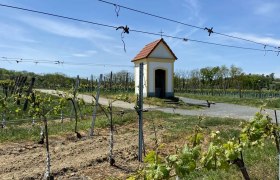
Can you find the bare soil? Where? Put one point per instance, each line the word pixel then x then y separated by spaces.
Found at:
pixel 73 158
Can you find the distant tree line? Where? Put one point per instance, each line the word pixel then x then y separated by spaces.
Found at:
pixel 218 79
pixel 223 78
pixel 49 81
pixel 122 80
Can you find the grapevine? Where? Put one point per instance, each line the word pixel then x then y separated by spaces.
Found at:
pixel 218 154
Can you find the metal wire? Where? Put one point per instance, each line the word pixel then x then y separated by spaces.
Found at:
pixel 186 24
pixel 146 32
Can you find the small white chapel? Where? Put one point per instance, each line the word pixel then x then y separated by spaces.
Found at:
pixel 158 60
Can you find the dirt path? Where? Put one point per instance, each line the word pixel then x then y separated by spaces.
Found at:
pixel 72 158
pixel 216 110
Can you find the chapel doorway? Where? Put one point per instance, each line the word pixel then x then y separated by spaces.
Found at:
pixel 160 78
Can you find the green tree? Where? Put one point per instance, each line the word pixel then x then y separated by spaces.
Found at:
pixel 209 74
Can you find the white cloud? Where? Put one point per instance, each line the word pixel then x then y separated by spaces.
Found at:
pixel 14 32
pixel 110 50
pixel 193 17
pixel 267 8
pixel 181 31
pixel 88 53
pixel 256 38
pixel 193 6
pixel 64 29
pixel 80 55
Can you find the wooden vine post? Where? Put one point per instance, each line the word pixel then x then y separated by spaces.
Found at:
pixel 48 168
pixel 126 82
pixel 91 83
pixel 95 107
pixel 3 120
pixel 140 114
pixel 61 116
pixel 111 79
pixel 111 159
pixel 13 89
pixel 278 146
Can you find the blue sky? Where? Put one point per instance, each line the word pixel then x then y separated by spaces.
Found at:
pixel 34 36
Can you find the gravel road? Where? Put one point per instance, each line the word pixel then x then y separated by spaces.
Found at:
pixel 227 110
pixel 216 110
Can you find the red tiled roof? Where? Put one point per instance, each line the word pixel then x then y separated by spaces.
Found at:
pixel 148 49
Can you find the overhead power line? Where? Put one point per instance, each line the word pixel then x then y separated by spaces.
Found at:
pixel 58 62
pixel 205 42
pixel 55 15
pixel 126 30
pixel 209 30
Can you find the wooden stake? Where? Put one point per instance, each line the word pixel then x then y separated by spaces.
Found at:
pixel 140 114
pixel 48 168
pixel 95 107
pixel 111 77
pixel 111 159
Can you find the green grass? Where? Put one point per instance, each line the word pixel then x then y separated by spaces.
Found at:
pixel 182 126
pixel 261 163
pixel 132 98
pixel 171 122
pixel 271 103
pixel 25 131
